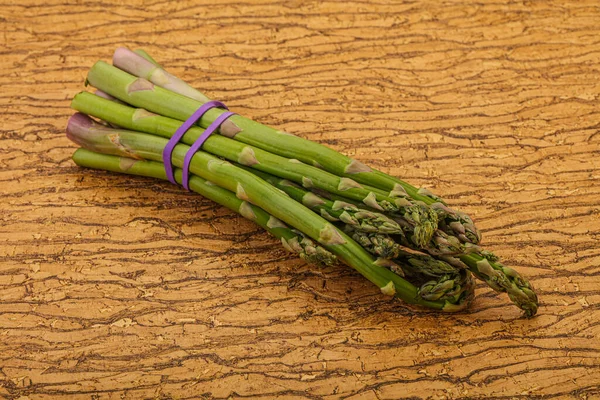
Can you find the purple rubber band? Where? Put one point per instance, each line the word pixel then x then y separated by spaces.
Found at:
pixel 185 173
pixel 168 150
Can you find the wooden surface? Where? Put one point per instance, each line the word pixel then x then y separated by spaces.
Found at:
pixel 118 287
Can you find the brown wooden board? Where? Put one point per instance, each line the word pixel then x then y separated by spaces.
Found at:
pixel 121 287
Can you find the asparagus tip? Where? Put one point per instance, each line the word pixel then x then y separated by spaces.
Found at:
pixel 425 223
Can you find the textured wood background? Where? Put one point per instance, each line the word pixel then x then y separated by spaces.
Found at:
pixel 118 287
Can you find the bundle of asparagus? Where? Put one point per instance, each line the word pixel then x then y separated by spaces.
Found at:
pixel 321 204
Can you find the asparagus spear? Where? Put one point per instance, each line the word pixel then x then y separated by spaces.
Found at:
pixel 503 279
pixel 424 264
pixel 282 143
pixel 441 244
pixel 292 239
pixel 248 187
pixel 361 220
pixel 420 221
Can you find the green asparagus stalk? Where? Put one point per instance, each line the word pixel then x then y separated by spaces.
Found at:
pixel 107 96
pixel 360 219
pixel 248 187
pixel 503 279
pixel 292 239
pixel 420 221
pixel 282 143
pixel 441 244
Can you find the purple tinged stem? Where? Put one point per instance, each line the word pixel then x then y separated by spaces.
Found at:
pixel 137 65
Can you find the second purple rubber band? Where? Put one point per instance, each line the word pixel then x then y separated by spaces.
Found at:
pixel 168 150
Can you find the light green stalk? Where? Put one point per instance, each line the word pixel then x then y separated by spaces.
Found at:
pixel 503 279
pixel 359 219
pixel 419 220
pixel 292 239
pixel 252 189
pixel 312 153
